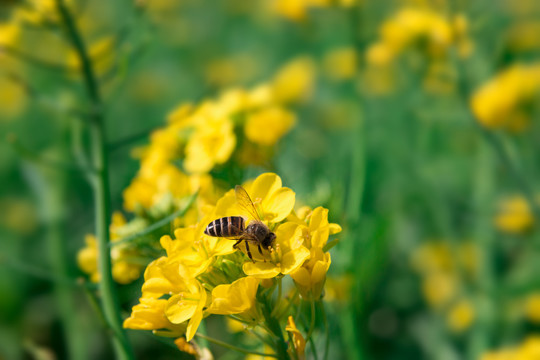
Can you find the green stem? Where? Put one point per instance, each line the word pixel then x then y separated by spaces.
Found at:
pixel 326 331
pixel 107 289
pixel 312 320
pixel 157 224
pixel 232 347
pixel 275 329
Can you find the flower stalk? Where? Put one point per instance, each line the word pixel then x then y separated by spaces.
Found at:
pixel 100 183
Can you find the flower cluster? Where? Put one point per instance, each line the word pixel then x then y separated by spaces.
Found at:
pixel 423 28
pixel 529 349
pixel 442 272
pixel 297 10
pixel 506 101
pixel 202 275
pixel 238 129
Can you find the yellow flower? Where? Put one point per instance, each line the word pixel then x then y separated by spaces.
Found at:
pixel 294 82
pixel 194 249
pixel 298 340
pixel 165 277
pixel 432 257
pixel 268 125
pixel 293 9
pixel 287 255
pixel 439 288
pixel 186 347
pixel 341 63
pixel 9 33
pixel 212 143
pixel 235 298
pixel 87 258
pixel 460 316
pixel 310 278
pixel 532 307
pixel 319 228
pixel 149 314
pixel 514 215
pixel 102 55
pixel 12 97
pixel 124 272
pixel 272 201
pixel 380 54
pixel 500 102
pixel 187 306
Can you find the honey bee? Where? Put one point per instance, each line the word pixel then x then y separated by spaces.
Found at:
pixel 234 227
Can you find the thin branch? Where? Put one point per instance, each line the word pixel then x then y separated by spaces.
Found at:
pixel 157 224
pixel 232 347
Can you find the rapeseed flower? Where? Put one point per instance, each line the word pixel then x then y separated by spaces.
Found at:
pixel 297 338
pixel 461 316
pixel 124 271
pixel 504 101
pixel 268 125
pixel 514 215
pixel 201 275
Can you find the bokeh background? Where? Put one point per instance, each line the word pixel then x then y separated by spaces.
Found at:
pixel 417 125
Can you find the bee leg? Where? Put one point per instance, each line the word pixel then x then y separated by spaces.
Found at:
pixel 249 252
pixel 235 246
pixel 260 251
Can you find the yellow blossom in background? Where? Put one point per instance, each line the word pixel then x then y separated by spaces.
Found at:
pixel 439 288
pixel 123 270
pixel 341 63
pixel 212 143
pixel 501 102
pixel 297 338
pixel 268 125
pixel 9 34
pixel 532 307
pixel 13 98
pixel 529 349
pixel 422 28
pixel 102 54
pixel 514 215
pixel 431 257
pixel 295 81
pixel 87 258
pixel 460 316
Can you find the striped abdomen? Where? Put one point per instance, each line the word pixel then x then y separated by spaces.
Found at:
pixel 226 227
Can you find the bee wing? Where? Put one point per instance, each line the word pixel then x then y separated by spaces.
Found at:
pixel 244 236
pixel 243 200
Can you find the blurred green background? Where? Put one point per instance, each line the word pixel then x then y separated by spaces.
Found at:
pixel 439 258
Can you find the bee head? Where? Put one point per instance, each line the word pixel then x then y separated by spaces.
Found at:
pixel 269 239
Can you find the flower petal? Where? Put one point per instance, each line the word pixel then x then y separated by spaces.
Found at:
pixel 293 260
pixel 261 270
pixel 278 205
pixel 265 185
pixel 179 310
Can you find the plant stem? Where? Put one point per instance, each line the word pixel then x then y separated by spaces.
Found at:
pixel 326 332
pixel 109 300
pixel 157 224
pixel 273 325
pixel 312 321
pixel 232 347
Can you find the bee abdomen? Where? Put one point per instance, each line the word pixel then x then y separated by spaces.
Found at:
pixel 226 227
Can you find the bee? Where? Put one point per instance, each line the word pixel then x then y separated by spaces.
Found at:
pixel 234 227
